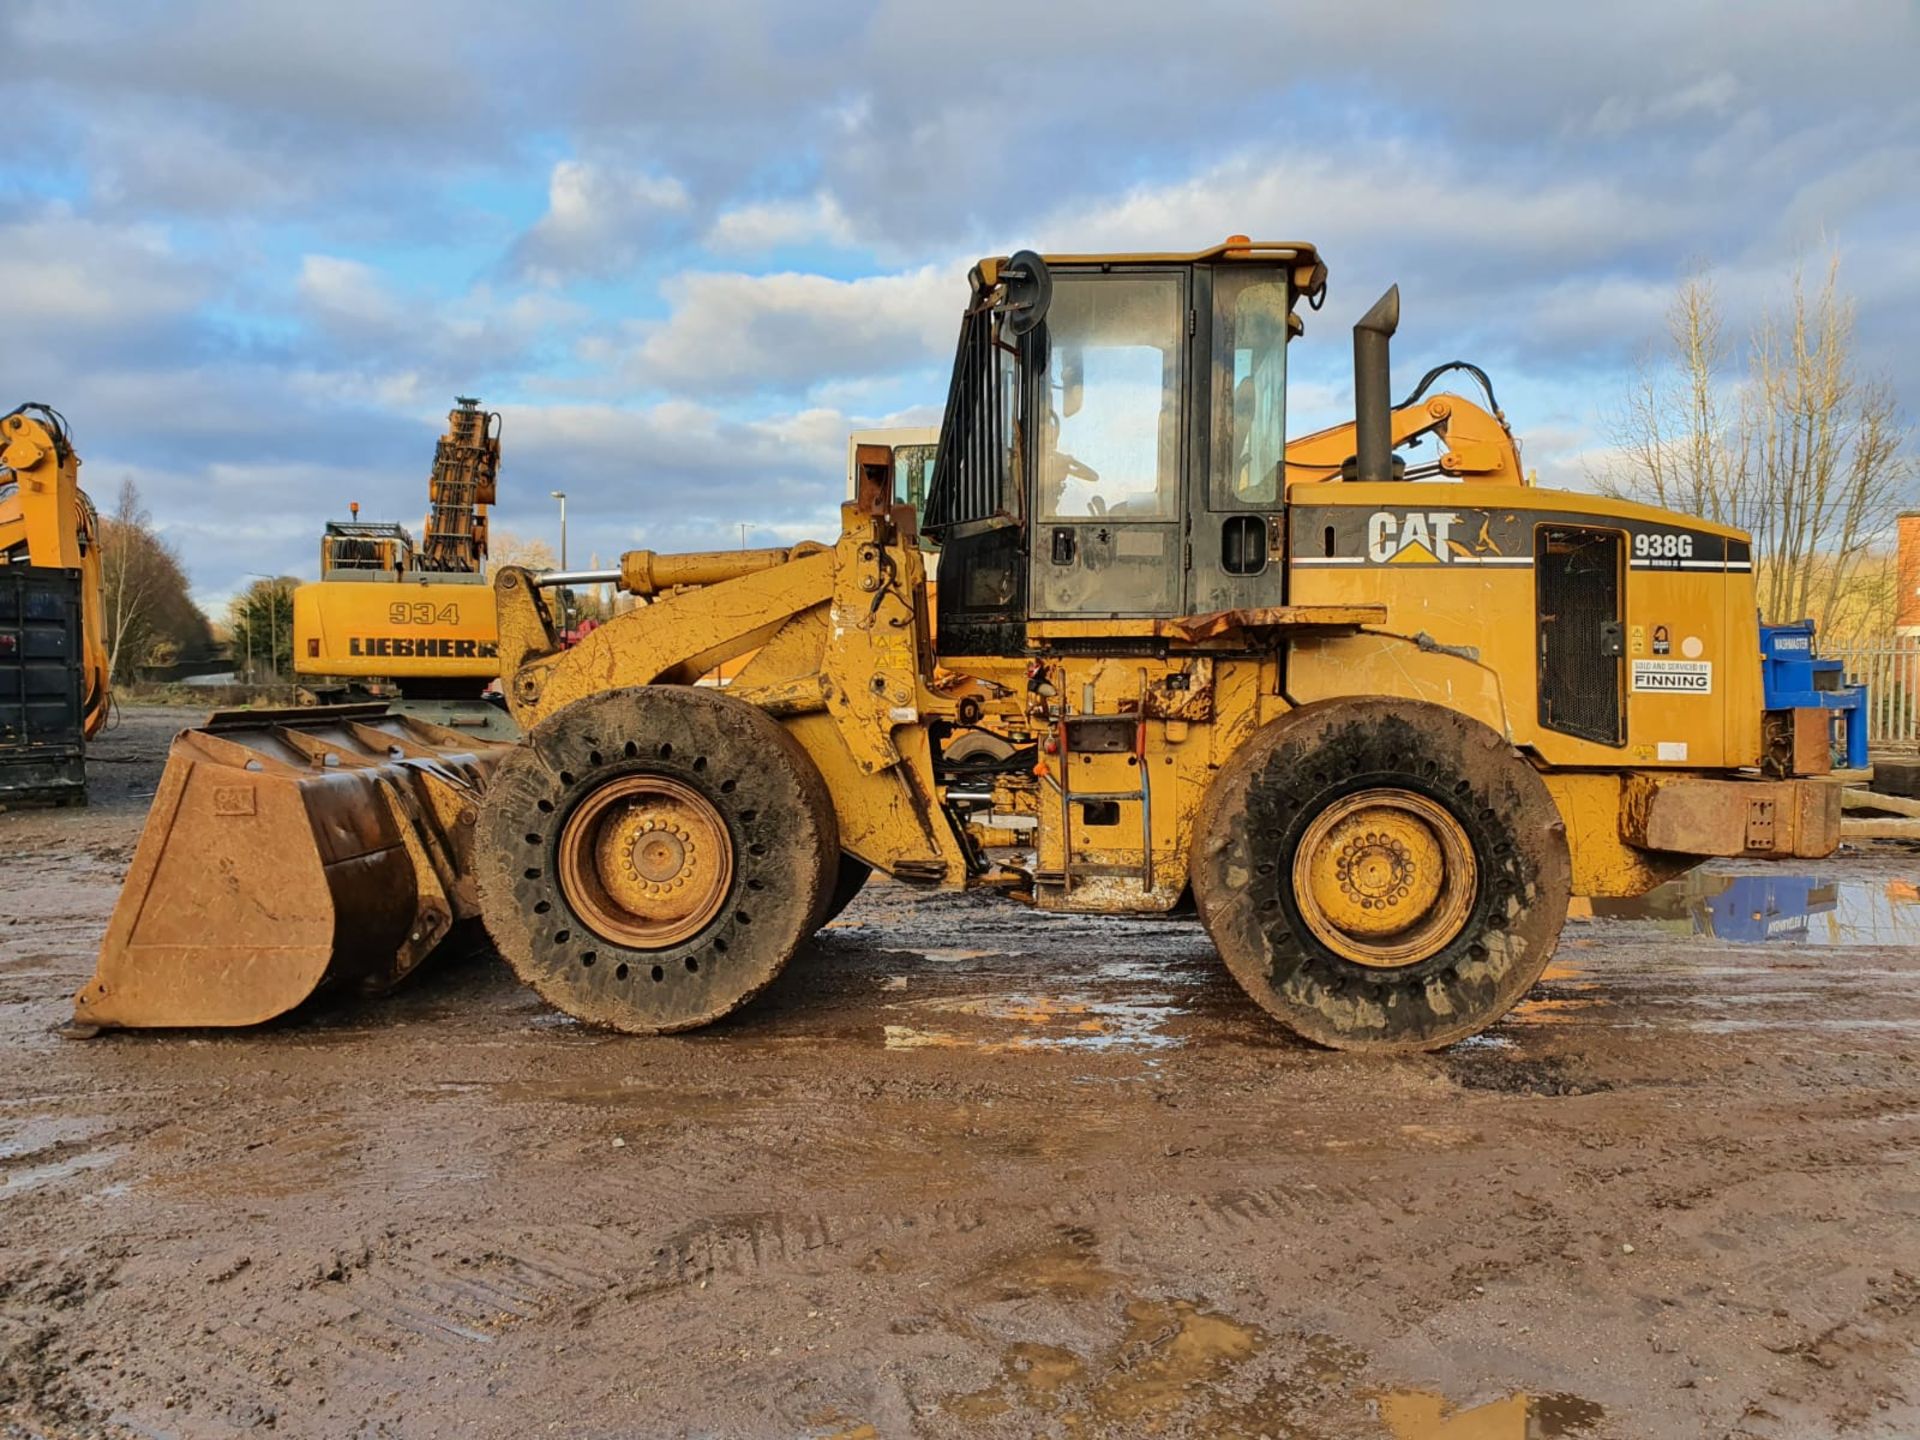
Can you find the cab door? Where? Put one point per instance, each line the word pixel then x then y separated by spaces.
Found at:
pixel 1108 423
pixel 1241 441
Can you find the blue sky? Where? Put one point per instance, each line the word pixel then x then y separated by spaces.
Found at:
pixel 252 249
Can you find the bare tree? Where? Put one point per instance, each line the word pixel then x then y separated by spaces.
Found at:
pixel 126 578
pixel 1802 451
pixel 1827 447
pixel 1674 447
pixel 504 547
pixel 150 617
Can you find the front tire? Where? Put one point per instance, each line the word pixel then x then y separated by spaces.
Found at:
pixel 1382 874
pixel 650 858
pixel 850 880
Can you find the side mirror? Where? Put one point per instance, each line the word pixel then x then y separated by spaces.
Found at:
pixel 1073 381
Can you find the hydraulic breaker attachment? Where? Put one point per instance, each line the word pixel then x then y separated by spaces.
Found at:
pixel 288 850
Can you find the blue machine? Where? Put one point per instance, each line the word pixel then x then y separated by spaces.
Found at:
pixel 1793 677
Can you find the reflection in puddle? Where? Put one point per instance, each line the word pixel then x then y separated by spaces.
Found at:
pixel 32 1177
pixel 1171 1356
pixel 44 1149
pixel 1772 908
pixel 1168 1365
pixel 1080 1020
pixel 1421 1415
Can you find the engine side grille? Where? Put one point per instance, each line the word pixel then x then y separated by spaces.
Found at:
pixel 1578 575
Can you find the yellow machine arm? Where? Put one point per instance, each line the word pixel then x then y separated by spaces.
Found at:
pixel 46 519
pixel 1476 445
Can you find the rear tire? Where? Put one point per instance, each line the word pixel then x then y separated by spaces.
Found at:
pixel 650 858
pixel 1382 874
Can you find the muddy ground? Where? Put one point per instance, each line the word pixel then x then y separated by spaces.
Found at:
pixel 968 1171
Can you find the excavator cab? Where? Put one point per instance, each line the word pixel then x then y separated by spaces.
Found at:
pixel 1115 441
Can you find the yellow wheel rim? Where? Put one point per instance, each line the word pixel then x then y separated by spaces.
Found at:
pixel 1385 878
pixel 646 861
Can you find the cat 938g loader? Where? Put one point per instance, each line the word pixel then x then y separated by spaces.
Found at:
pixel 1377 721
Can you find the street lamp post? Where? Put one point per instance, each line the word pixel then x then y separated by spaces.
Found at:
pixel 566 596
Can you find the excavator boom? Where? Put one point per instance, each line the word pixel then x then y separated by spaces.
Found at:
pixel 54 690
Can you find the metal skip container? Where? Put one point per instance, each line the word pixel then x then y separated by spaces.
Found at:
pixel 286 851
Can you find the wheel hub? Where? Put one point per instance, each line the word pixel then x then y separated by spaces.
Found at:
pixel 646 861
pixel 1385 877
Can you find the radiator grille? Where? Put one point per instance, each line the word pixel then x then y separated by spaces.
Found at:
pixel 1578 573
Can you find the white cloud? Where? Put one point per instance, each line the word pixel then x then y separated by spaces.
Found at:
pixel 377 328
pixel 675 474
pixel 1431 206
pixel 730 331
pixel 1708 95
pixel 348 293
pixel 596 221
pixel 757 228
pixel 64 276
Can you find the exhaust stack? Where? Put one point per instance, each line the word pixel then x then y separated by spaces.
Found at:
pixel 1372 388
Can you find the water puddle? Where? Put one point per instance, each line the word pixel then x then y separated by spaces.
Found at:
pixel 1001 1024
pixel 1168 1364
pixel 1771 908
pixel 31 1177
pixel 44 1149
pixel 1423 1415
pixel 1171 1355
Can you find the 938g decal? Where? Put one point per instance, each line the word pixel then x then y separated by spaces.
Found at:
pixel 1669 545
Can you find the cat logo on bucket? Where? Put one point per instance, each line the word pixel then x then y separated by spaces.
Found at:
pixel 1414 536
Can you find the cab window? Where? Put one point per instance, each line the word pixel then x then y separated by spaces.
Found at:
pixel 1109 440
pixel 913 477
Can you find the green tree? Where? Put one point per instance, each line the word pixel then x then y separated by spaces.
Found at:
pixel 260 630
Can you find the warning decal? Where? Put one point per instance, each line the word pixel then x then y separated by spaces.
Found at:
pixel 1673 677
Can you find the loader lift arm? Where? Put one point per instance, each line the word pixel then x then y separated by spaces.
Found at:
pixel 1475 444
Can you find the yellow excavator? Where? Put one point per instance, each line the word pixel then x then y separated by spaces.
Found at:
pixel 54 685
pixel 417 617
pixel 1377 723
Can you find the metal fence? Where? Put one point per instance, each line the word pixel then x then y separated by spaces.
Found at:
pixel 1891 673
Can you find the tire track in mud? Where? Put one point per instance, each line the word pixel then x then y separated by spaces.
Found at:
pixel 480 1282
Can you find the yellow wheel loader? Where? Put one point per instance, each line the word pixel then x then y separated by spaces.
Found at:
pixel 1378 721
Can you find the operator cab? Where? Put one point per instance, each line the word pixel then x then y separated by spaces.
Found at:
pixel 365 550
pixel 1115 438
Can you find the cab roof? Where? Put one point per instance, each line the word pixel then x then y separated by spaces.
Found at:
pixel 1309 274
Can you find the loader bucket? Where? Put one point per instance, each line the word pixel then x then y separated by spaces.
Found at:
pixel 288 850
